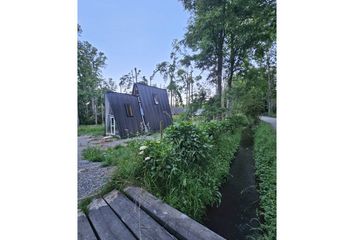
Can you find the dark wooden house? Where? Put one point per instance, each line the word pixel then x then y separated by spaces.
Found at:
pixel 146 109
pixel 155 106
pixel 123 117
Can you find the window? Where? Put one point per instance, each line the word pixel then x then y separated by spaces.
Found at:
pixel 156 99
pixel 129 110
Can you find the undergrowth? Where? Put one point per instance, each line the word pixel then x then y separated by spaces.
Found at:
pixel 265 162
pixel 185 168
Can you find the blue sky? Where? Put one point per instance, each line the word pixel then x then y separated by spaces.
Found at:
pixel 132 33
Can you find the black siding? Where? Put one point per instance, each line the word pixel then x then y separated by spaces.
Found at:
pixel 154 113
pixel 127 126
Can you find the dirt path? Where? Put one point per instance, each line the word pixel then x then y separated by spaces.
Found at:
pixel 272 121
pixel 236 215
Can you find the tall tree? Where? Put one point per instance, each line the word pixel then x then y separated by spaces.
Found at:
pixel 89 75
pixel 206 36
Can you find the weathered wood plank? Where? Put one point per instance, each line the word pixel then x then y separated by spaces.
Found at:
pixel 84 230
pixel 139 222
pixel 106 223
pixel 176 222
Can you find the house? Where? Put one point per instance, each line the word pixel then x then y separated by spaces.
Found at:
pixel 177 110
pixel 146 109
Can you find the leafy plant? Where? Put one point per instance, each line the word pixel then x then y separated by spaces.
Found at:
pixel 265 162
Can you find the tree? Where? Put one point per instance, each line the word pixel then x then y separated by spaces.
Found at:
pixel 126 82
pixel 224 34
pixel 206 35
pixel 89 75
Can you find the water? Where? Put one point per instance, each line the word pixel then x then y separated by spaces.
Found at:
pixel 236 217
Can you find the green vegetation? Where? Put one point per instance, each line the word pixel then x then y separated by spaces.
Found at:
pixel 83 205
pixel 265 161
pixel 185 168
pixel 92 130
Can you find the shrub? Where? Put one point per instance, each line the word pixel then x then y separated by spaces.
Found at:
pixel 189 143
pixel 265 162
pixel 188 166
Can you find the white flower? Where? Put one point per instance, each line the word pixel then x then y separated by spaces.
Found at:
pixel 141 152
pixel 143 148
pixel 147 158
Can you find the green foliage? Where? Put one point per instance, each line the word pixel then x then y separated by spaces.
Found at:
pixel 91 130
pixel 188 166
pixel 265 161
pixel 93 154
pixel 84 203
pixel 253 104
pixel 185 168
pixel 190 144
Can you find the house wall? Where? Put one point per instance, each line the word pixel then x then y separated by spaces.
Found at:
pixel 125 125
pixel 154 113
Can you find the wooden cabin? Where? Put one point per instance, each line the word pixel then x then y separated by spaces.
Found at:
pixel 129 114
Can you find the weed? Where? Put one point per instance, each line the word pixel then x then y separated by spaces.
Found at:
pixel 93 154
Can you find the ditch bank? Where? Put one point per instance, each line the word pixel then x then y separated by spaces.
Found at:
pixel 235 217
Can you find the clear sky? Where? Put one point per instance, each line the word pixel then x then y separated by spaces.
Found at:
pixel 132 33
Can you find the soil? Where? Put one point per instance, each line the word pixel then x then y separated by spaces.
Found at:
pixel 236 216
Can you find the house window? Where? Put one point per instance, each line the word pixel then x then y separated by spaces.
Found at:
pixel 129 110
pixel 156 99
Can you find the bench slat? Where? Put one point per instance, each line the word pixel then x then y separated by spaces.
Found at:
pixel 85 231
pixel 176 222
pixel 139 222
pixel 106 223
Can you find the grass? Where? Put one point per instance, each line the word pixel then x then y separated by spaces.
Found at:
pixel 92 130
pixel 83 205
pixel 265 162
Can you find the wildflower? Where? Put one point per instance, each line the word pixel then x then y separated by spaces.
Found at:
pixel 147 158
pixel 141 152
pixel 143 148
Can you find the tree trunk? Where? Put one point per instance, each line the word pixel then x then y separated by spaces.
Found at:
pixel 231 71
pixel 269 92
pixel 171 97
pixel 219 65
pixel 94 109
pixel 102 113
pixel 191 88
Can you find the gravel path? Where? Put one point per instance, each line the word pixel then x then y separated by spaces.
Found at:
pixel 92 175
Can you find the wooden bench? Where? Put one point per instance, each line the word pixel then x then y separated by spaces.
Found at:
pixel 137 215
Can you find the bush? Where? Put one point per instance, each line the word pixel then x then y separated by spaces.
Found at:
pixel 265 162
pixel 188 166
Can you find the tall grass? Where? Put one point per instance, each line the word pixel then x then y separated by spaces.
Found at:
pixel 265 162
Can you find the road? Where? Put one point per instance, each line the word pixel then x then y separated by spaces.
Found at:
pixel 272 121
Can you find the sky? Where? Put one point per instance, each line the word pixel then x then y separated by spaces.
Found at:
pixel 132 33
